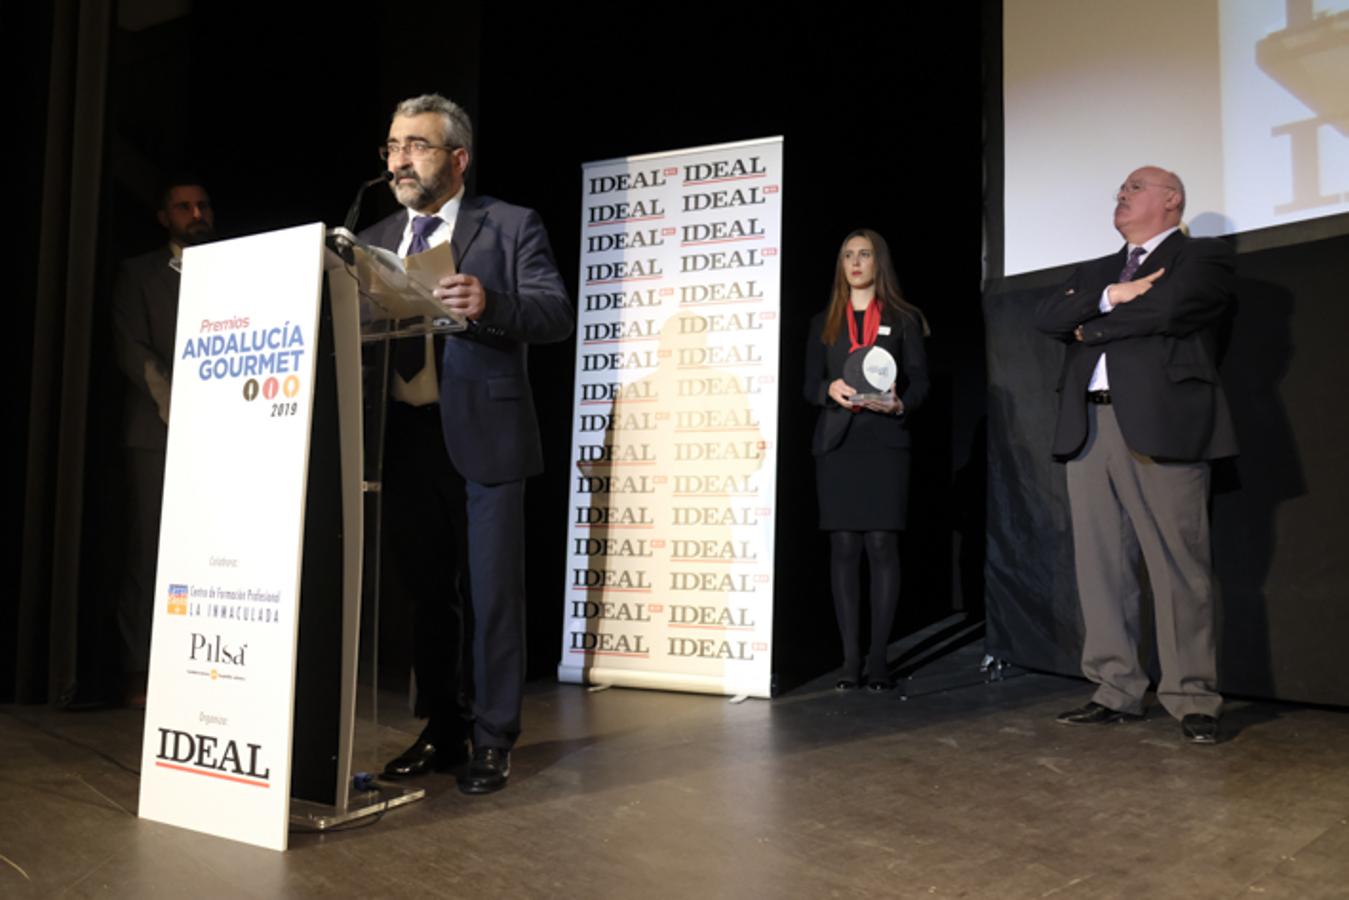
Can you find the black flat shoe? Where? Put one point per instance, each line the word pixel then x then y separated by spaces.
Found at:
pixel 486 772
pixel 880 686
pixel 424 756
pixel 1095 714
pixel 846 684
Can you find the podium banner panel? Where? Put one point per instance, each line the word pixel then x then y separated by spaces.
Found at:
pixel 669 580
pixel 217 747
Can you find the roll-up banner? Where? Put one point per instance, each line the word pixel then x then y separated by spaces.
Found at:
pixel 217 748
pixel 669 580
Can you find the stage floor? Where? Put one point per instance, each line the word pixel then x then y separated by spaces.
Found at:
pixel 968 792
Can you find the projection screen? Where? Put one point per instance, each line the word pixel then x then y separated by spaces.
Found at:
pixel 1247 100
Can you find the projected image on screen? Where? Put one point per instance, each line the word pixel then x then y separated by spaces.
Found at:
pixel 1247 100
pixel 1285 109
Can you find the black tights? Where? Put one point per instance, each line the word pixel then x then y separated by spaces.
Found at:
pixel 845 565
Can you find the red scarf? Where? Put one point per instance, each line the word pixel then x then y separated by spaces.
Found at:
pixel 871 325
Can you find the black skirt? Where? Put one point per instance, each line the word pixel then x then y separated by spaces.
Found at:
pixel 863 488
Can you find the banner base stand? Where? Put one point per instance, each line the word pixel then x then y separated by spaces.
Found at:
pixel 321 817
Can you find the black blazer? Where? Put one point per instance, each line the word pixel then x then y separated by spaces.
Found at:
pixel 486 405
pixel 824 364
pixel 144 318
pixel 1161 351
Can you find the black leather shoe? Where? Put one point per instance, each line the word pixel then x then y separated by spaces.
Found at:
pixel 486 772
pixel 1095 714
pixel 880 685
pixel 1199 728
pixel 846 684
pixel 424 756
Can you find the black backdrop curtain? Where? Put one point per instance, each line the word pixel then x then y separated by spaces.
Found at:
pixel 49 636
pixel 280 112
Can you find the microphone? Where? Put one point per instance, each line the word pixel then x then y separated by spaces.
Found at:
pixel 355 212
pixel 340 239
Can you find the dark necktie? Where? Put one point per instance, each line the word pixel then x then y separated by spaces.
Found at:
pixel 410 355
pixel 422 227
pixel 1130 267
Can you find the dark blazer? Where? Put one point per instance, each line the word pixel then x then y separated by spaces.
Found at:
pixel 824 364
pixel 486 405
pixel 1161 351
pixel 144 316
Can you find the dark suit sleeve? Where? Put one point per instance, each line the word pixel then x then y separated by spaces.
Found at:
pixel 915 367
pixel 538 311
pixel 1075 301
pixel 136 355
pixel 816 387
pixel 1194 293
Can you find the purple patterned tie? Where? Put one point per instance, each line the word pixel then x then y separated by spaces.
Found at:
pixel 422 227
pixel 1130 267
pixel 409 356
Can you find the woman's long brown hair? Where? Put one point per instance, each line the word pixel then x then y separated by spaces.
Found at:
pixel 887 288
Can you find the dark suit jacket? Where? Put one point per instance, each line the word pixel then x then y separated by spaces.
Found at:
pixel 144 316
pixel 824 364
pixel 1161 351
pixel 486 405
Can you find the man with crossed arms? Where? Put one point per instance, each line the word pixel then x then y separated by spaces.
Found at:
pixel 1141 414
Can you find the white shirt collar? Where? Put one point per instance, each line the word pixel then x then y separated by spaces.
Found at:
pixel 447 213
pixel 1151 243
pixel 443 233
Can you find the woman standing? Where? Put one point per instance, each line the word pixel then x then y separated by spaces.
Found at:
pixel 861 445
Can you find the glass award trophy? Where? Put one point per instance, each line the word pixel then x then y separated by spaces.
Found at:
pixel 871 371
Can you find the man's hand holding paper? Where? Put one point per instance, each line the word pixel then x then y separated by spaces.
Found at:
pixel 462 296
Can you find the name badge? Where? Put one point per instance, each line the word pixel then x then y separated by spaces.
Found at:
pixel 884 329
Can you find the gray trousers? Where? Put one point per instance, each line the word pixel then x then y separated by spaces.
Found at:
pixel 1125 504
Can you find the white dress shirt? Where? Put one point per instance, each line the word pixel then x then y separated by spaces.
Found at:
pixel 1100 380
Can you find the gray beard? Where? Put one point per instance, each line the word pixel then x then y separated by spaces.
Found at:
pixel 418 195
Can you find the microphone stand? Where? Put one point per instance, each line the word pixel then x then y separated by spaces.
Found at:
pixel 341 240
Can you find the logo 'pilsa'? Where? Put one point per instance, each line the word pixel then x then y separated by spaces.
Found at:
pixel 215 650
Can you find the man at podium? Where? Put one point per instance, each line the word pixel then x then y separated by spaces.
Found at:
pixel 461 439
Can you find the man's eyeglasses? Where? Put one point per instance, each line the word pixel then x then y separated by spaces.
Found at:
pixel 415 148
pixel 1134 187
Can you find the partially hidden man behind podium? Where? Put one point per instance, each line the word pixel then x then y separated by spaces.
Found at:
pixel 461 439
pixel 145 316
